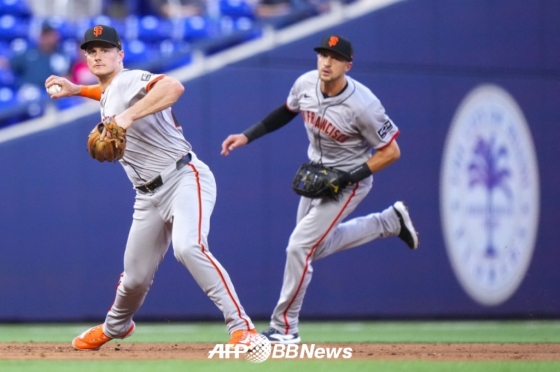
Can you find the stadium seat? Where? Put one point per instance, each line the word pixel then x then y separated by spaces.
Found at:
pixel 137 52
pixel 84 24
pixel 12 27
pixel 66 29
pixel 7 78
pixel 173 54
pixel 150 42
pixel 152 29
pixel 7 96
pixel 18 45
pixel 229 25
pixel 196 28
pixel 236 9
pixel 16 8
pixel 5 49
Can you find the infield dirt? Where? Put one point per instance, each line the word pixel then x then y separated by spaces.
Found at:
pixel 361 351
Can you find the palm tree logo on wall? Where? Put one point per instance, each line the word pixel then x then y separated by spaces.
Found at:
pixel 489 195
pixel 485 171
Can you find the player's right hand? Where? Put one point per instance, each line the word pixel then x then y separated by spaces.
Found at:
pixel 232 142
pixel 68 88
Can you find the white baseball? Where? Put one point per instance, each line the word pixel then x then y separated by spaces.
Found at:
pixel 54 89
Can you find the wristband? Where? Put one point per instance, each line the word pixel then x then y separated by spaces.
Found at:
pixel 359 173
pixel 91 91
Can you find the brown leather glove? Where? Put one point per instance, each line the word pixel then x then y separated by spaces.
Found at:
pixel 113 145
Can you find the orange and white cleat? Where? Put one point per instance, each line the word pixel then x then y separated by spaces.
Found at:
pixel 94 338
pixel 243 337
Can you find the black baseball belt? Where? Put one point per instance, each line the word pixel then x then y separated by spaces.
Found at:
pixel 157 182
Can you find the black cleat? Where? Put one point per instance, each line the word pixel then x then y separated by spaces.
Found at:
pixel 408 233
pixel 277 337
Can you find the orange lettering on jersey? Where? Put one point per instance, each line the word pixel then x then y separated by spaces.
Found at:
pixel 333 41
pixel 97 30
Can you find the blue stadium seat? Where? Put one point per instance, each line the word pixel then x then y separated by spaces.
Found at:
pixel 7 102
pixel 12 27
pixel 68 102
pixel 229 25
pixel 7 78
pixel 66 28
pixel 70 48
pixel 167 48
pixel 236 9
pixel 18 45
pixel 17 8
pixel 136 52
pixel 173 54
pixel 5 50
pixel 196 28
pixel 34 99
pixel 82 25
pixel 152 29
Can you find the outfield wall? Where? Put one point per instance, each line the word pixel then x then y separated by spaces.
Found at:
pixel 64 218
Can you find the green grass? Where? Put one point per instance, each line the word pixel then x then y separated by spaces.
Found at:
pixel 312 332
pixel 276 366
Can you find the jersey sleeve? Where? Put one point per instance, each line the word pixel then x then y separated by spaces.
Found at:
pixel 137 82
pixel 376 127
pixel 292 102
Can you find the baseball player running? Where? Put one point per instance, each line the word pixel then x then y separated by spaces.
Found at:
pixel 345 122
pixel 175 191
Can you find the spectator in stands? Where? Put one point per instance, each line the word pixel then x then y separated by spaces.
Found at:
pixel 179 8
pixel 36 64
pixel 68 9
pixel 5 71
pixel 273 8
pixel 80 73
pixel 278 8
pixel 117 9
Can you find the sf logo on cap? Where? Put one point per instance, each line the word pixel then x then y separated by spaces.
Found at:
pixel 97 30
pixel 333 41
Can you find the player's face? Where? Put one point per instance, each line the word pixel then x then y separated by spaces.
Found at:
pixel 331 66
pixel 103 59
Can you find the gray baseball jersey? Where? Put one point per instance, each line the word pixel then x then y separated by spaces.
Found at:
pixel 343 131
pixel 177 211
pixel 153 141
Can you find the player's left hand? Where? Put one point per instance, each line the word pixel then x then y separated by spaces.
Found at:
pixel 107 141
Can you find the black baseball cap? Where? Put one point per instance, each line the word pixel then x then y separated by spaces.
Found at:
pixel 102 33
pixel 337 44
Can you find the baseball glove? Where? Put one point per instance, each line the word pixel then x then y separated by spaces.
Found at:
pixel 318 181
pixel 113 145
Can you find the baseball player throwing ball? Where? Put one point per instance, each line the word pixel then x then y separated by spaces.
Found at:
pixel 345 124
pixel 175 191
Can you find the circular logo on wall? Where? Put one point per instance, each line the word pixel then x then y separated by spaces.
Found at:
pixel 489 195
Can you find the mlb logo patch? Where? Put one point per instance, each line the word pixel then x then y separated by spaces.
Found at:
pixel 146 77
pixel 386 128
